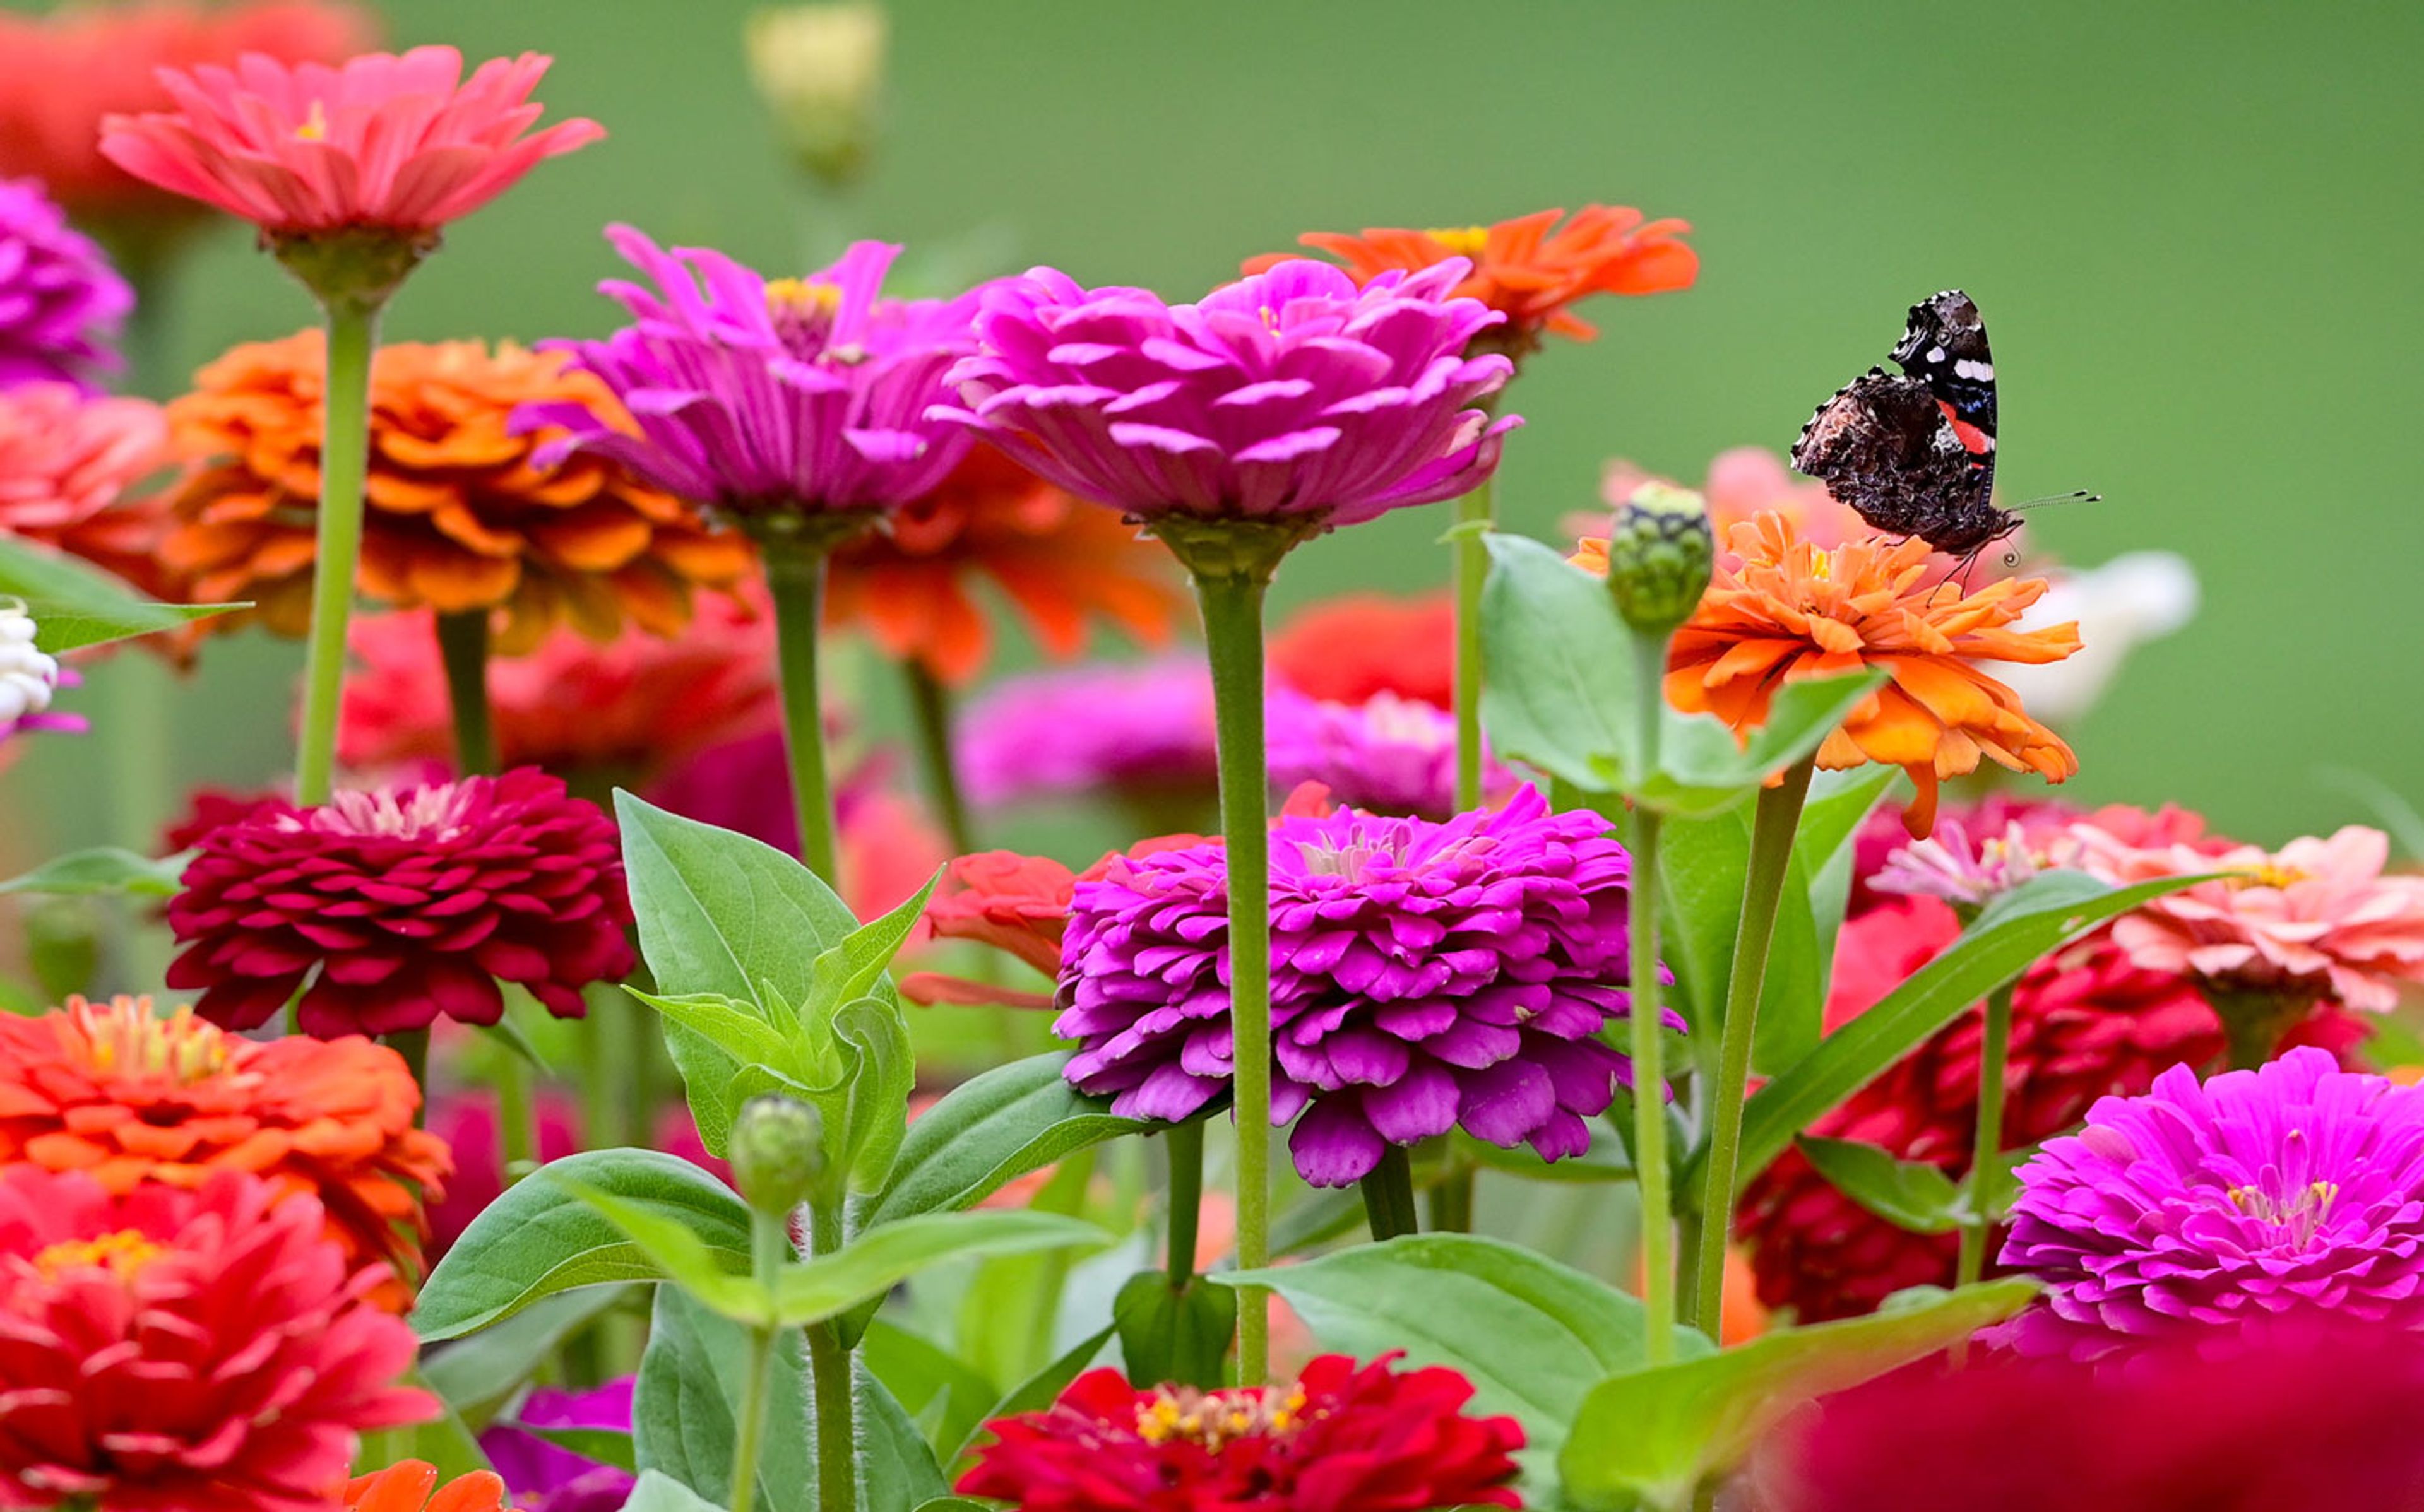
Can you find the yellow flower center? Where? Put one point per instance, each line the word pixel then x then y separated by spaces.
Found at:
pixel 2302 1212
pixel 316 125
pixel 123 1254
pixel 1213 1419
pixel 1463 241
pixel 123 1037
pixel 2271 875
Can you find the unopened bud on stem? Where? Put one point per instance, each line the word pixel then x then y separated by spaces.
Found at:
pixel 778 1152
pixel 1659 554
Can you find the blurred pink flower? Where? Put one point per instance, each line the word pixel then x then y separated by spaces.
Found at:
pixel 2318 918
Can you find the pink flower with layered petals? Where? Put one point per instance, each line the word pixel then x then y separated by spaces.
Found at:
pixel 403 143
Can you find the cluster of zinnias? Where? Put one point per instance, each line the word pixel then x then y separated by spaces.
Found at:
pixel 1424 977
pixel 61 301
pixel 176 1348
pixel 391 910
pixel 462 514
pixel 130 1097
pixel 1339 1436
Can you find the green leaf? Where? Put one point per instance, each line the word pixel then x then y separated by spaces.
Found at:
pixel 875 1107
pixel 928 1379
pixel 880 1259
pixel 1702 863
pixel 478 1375
pixel 1838 804
pixel 1037 1392
pixel 678 1255
pixel 851 968
pixel 657 1491
pixel 988 1132
pixel 539 1239
pixel 604 1445
pixel 75 606
pixel 1532 1335
pixel 732 1024
pixel 1168 1335
pixel 1655 1436
pixel 445 1441
pixel 1704 770
pixel 2044 914
pixel 1560 692
pixel 686 1403
pixel 105 869
pixel 1909 1194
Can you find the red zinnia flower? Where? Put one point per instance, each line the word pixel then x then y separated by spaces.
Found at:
pixel 1340 1440
pixel 407 1486
pixel 399 907
pixel 1354 649
pixel 185 1351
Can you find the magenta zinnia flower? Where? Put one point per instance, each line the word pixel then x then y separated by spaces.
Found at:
pixel 1141 729
pixel 1424 976
pixel 393 909
pixel 61 301
pixel 1387 754
pixel 2292 1191
pixel 801 395
pixel 545 1477
pixel 1291 395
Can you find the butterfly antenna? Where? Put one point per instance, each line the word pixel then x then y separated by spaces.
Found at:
pixel 2077 496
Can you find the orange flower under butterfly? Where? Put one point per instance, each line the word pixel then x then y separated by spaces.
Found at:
pixel 1530 269
pixel 1790 611
pixel 457 518
pixel 1061 561
pixel 129 1096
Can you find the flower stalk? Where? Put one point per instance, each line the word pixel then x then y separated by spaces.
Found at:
pixel 1389 1195
pixel 1774 824
pixel 768 1244
pixel 1471 559
pixel 1647 1046
pixel 345 463
pixel 795 579
pixel 463 649
pixel 829 1373
pixel 929 705
pixel 1184 1144
pixel 1994 1062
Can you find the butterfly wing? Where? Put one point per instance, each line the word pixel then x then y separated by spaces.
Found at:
pixel 1886 446
pixel 1944 345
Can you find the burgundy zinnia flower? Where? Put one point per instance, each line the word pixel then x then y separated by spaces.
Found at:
pixel 1424 976
pixel 1339 1440
pixel 176 1350
pixel 402 906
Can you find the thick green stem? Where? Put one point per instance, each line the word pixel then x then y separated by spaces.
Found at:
pixel 463 648
pixel 795 579
pixel 517 1114
pixel 413 1044
pixel 1389 1195
pixel 1774 824
pixel 1451 1200
pixel 1472 569
pixel 770 1245
pixel 1648 1047
pixel 829 1376
pixel 1184 1144
pixel 1994 1055
pixel 1232 629
pixel 344 460
pixel 929 702
pixel 2254 1022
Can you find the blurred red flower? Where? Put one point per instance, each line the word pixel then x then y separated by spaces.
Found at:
pixel 1352 648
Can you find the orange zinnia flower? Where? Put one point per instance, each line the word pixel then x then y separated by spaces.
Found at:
pixel 407 1486
pixel 1058 561
pixel 1530 268
pixel 127 1096
pixel 1790 611
pixel 457 518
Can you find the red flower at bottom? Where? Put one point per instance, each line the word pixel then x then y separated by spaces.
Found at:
pixel 1340 1440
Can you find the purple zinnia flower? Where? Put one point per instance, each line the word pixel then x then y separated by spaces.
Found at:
pixel 800 395
pixel 1388 754
pixel 1424 976
pixel 2292 1191
pixel 1288 395
pixel 1140 728
pixel 545 1477
pixel 61 301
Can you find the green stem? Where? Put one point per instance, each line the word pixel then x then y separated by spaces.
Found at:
pixel 795 579
pixel 1185 1146
pixel 929 702
pixel 345 461
pixel 2254 1022
pixel 517 1114
pixel 1232 629
pixel 463 648
pixel 1649 1044
pixel 830 1377
pixel 1774 824
pixel 1994 1055
pixel 1472 569
pixel 413 1044
pixel 1389 1195
pixel 1451 1200
pixel 770 1245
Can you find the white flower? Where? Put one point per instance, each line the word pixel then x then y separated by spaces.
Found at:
pixel 2133 599
pixel 27 676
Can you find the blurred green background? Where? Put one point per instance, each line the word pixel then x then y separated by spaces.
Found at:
pixel 2192 228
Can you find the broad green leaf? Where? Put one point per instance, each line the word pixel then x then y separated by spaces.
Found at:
pixel 478 1375
pixel 880 1259
pixel 73 606
pixel 657 1491
pixel 1532 1335
pixel 604 1445
pixel 733 1025
pixel 933 1384
pixel 1909 1194
pixel 445 1441
pixel 686 1404
pixel 988 1132
pixel 1560 691
pixel 539 1239
pixel 2042 915
pixel 1703 768
pixel 1655 1436
pixel 1702 863
pixel 875 1110
pixel 1009 1310
pixel 104 869
pixel 1038 1390
pixel 1168 1335
pixel 678 1255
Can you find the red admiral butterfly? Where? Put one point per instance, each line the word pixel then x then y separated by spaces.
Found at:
pixel 1915 453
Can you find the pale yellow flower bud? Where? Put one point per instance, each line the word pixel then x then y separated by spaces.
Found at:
pixel 820 68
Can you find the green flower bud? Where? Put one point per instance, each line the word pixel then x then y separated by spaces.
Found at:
pixel 778 1152
pixel 820 68
pixel 1660 554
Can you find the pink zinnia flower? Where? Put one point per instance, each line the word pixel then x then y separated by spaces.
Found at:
pixel 402 144
pixel 1290 396
pixel 1137 729
pixel 176 1350
pixel 1971 873
pixel 65 458
pixel 2317 918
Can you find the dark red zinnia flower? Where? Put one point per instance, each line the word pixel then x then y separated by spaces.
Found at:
pixel 176 1350
pixel 402 906
pixel 1341 1439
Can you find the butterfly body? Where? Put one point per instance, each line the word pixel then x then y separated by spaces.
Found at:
pixel 1914 452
